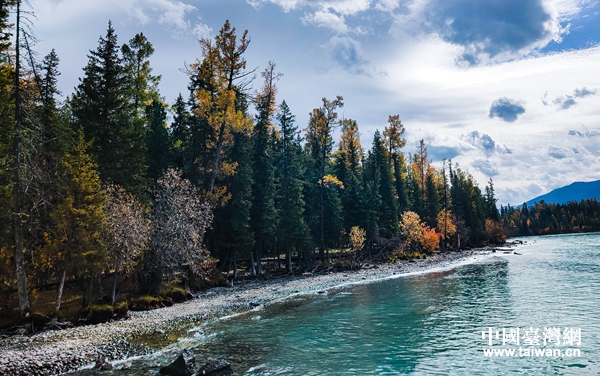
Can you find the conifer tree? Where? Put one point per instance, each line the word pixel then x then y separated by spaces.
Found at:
pixel 381 175
pixel 348 159
pixel 432 205
pixel 319 143
pixel 392 135
pixel 101 107
pixel 239 239
pixel 222 75
pixel 263 188
pixel 180 135
pixel 292 229
pixel 158 143
pixel 77 243
pixel 142 86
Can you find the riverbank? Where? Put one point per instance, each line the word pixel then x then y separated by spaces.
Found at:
pixel 60 351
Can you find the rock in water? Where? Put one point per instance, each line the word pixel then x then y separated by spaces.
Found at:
pixel 184 365
pixel 216 367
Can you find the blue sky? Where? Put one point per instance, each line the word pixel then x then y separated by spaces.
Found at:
pixel 509 89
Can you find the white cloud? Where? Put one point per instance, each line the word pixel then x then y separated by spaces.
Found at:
pixel 325 18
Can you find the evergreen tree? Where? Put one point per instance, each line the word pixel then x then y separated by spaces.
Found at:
pixel 392 135
pixel 180 135
pixel 101 107
pixel 292 229
pixel 142 86
pixel 490 201
pixel 263 188
pixel 239 237
pixel 158 142
pixel 381 175
pixel 348 170
pixel 319 143
pixel 432 205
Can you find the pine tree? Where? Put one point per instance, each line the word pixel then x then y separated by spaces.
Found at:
pixel 392 135
pixel 181 135
pixel 239 239
pixel 381 175
pixel 348 170
pixel 490 201
pixel 292 229
pixel 142 86
pixel 432 205
pixel 158 143
pixel 77 243
pixel 263 188
pixel 101 107
pixel 319 143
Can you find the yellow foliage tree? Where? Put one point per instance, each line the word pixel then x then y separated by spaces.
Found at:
pixel 412 228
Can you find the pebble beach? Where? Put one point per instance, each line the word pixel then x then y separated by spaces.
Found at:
pixel 59 351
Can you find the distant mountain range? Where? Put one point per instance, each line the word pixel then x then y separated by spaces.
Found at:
pixel 574 192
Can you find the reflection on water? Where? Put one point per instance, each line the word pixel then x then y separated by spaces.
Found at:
pixel 426 324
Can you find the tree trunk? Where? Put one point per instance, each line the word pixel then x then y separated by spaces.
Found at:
pixel 113 293
pixel 235 275
pixel 288 259
pixel 259 259
pixel 252 268
pixel 61 285
pixel 21 274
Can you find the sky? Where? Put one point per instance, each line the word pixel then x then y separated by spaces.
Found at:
pixel 507 89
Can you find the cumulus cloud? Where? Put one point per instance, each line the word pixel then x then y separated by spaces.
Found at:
pixel 557 151
pixel 583 92
pixel 496 30
pixel 506 109
pixel 486 167
pixel 325 18
pixel 485 143
pixel 567 101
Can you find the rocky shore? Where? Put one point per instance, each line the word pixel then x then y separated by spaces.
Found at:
pixel 60 351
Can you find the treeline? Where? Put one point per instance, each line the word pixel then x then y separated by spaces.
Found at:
pixel 546 218
pixel 103 183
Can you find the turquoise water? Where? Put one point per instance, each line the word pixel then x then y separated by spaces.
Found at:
pixel 423 324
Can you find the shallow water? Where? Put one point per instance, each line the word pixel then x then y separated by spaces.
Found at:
pixel 422 324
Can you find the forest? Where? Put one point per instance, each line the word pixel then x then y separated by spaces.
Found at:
pixel 110 182
pixel 548 218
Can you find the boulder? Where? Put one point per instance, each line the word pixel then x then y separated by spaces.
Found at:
pixel 184 365
pixel 216 367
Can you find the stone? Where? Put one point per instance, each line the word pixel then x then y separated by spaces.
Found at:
pixel 184 365
pixel 216 367
pixel 106 367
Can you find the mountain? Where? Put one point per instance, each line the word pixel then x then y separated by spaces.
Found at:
pixel 574 192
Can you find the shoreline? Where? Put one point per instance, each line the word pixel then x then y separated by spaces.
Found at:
pixel 59 351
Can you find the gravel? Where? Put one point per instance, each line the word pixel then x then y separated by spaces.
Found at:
pixel 59 351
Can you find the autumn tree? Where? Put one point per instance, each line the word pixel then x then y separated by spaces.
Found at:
pixel 446 224
pixel 127 231
pixel 77 241
pixel 179 219
pixel 223 77
pixel 411 228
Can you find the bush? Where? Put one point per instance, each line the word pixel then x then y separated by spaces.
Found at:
pixel 145 303
pixel 98 313
pixel 120 309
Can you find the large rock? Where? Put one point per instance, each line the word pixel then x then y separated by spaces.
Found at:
pixel 216 367
pixel 184 365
